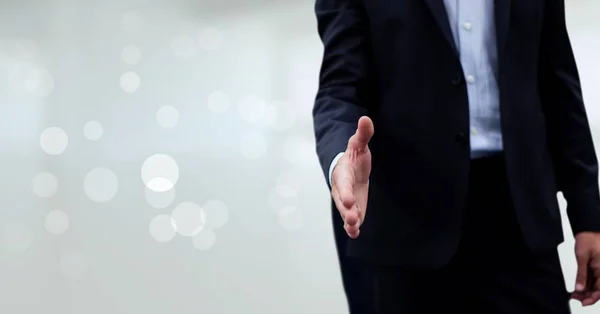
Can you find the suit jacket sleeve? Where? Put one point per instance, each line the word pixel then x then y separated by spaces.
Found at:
pixel 343 88
pixel 569 134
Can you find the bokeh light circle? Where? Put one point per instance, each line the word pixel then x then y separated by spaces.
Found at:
pixel 160 172
pixel 16 237
pixel 204 240
pixel 218 102
pixel 167 117
pixel 280 115
pixel 159 199
pixel 252 108
pixel 131 54
pixel 291 220
pixel 93 130
pixel 54 141
pixel 283 198
pixel 130 81
pixel 189 219
pixel 162 228
pixel 31 79
pixel 101 185
pixel 44 185
pixel 133 22
pixel 298 150
pixel 57 222
pixel 184 47
pixel 210 38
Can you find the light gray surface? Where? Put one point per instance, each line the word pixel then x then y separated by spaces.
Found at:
pixel 84 238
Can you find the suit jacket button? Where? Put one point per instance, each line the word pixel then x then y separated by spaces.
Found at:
pixel 461 138
pixel 457 81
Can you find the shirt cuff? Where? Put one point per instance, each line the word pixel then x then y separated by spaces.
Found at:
pixel 333 163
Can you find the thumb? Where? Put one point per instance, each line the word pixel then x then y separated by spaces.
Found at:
pixel 364 132
pixel 583 260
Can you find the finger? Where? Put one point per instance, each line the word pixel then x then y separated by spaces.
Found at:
pixel 591 298
pixel 349 216
pixel 579 296
pixel 343 183
pixel 364 132
pixel 346 199
pixel 352 231
pixel 352 218
pixel 338 203
pixel 346 214
pixel 594 275
pixel 593 284
pixel 361 215
pixel 583 259
pixel 346 192
pixel 352 222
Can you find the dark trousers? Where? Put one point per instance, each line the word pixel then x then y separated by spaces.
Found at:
pixel 492 272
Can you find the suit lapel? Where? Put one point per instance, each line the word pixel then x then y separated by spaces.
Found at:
pixel 502 16
pixel 441 17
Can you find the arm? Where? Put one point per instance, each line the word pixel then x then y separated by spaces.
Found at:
pixel 569 132
pixel 343 88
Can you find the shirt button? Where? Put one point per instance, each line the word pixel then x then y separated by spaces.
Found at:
pixel 474 131
pixel 470 79
pixel 467 26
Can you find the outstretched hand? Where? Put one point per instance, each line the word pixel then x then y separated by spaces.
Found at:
pixel 350 178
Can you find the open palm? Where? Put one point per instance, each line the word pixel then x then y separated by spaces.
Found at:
pixel 350 178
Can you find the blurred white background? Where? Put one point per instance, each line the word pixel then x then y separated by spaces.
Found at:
pixel 158 157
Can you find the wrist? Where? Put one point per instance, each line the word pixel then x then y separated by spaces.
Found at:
pixel 332 166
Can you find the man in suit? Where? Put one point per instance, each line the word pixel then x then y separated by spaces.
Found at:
pixel 445 129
